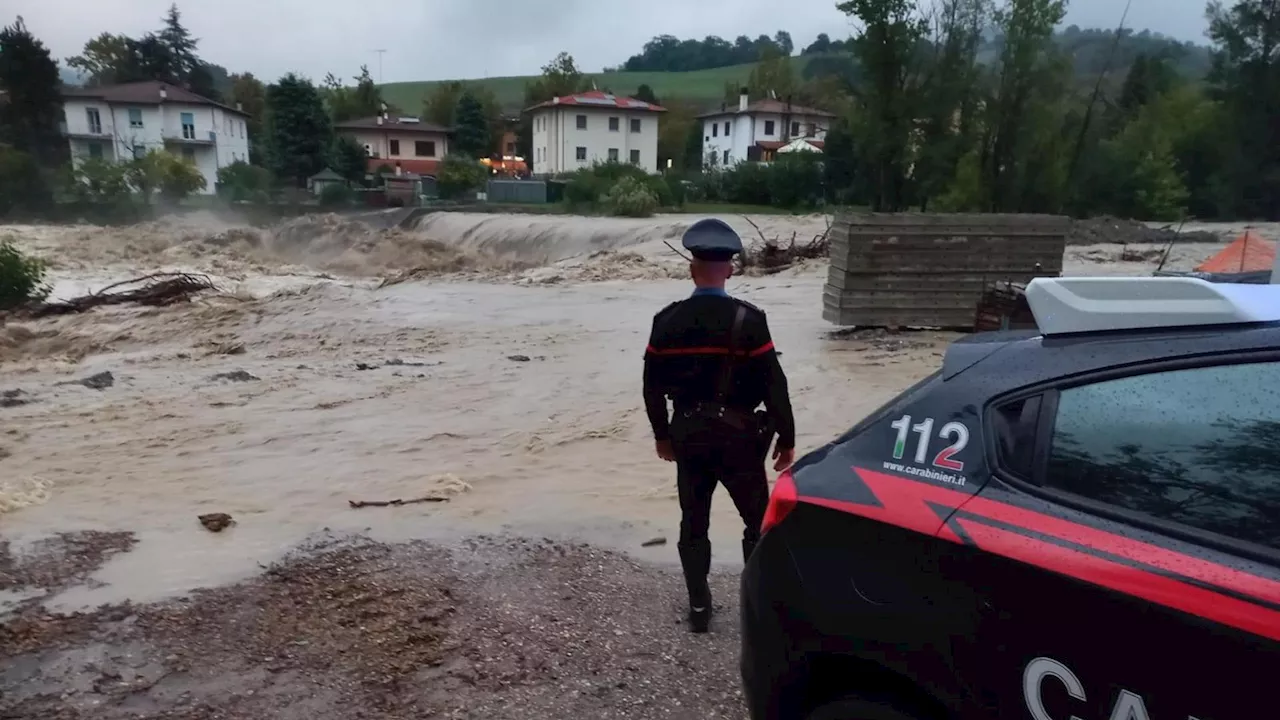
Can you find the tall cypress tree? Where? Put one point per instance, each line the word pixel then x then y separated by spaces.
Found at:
pixel 182 47
pixel 471 131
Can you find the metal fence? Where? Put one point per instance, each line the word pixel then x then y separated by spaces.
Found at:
pixel 517 191
pixel 918 270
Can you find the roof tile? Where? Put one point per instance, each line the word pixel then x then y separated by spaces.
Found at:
pixel 599 99
pixel 145 93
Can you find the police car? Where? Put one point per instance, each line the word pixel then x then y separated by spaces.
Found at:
pixel 1076 523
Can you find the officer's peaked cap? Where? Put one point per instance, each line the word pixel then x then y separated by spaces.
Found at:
pixel 712 239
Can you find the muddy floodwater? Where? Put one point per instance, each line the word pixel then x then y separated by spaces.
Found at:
pixel 506 381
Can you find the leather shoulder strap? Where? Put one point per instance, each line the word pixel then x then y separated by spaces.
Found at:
pixel 726 370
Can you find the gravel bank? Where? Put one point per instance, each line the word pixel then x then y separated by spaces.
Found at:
pixel 488 628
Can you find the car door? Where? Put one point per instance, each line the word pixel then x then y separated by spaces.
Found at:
pixel 1129 547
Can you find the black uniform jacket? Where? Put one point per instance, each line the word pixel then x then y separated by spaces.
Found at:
pixel 688 345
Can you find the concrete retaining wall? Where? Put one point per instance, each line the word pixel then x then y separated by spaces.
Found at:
pixel 917 270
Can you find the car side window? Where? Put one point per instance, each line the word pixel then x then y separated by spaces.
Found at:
pixel 1199 447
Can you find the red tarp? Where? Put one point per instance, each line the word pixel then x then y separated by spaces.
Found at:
pixel 1249 253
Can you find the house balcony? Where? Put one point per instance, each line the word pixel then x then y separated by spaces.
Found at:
pixel 90 135
pixel 197 139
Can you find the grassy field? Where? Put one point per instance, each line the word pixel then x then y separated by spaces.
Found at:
pixel 704 87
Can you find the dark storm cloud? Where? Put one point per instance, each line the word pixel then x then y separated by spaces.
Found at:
pixel 432 39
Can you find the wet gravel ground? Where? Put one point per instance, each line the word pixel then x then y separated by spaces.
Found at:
pixel 486 628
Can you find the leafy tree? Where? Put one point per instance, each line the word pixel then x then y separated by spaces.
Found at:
pixel 442 102
pixel 349 159
pixel 250 94
pixel 692 155
pixel 839 156
pixel 471 130
pixel 782 41
pixel 644 93
pixel 336 195
pixel 1025 72
pixel 1246 76
pixel 149 59
pixel 667 53
pixel 886 49
pixel 948 94
pixel 674 132
pixel 32 110
pixel 102 59
pixel 241 181
pixel 201 82
pixel 144 175
pixel 459 175
pixel 298 131
pixel 349 103
pixel 22 187
pixel 179 177
pixel 559 77
pixel 366 98
pixel 101 182
pixel 21 277
pixel 173 176
pixel 824 44
pixel 1141 178
pixel 773 74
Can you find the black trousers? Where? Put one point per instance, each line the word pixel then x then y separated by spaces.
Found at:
pixel 706 455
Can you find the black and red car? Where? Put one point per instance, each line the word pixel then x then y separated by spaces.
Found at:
pixel 1077 523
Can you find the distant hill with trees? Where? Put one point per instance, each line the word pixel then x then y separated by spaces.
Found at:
pixel 697 71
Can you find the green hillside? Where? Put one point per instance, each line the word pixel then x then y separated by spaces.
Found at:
pixel 701 86
pixel 1090 52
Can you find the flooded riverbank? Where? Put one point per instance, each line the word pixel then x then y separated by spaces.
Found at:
pixel 506 380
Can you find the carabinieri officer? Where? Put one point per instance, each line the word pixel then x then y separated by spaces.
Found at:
pixel 712 355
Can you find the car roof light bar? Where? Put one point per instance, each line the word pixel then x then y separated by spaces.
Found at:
pixel 1095 304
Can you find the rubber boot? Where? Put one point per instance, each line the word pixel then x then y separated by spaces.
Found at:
pixel 695 559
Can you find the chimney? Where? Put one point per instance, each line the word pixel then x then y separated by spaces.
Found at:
pixel 379 119
pixel 164 94
pixel 742 100
pixel 240 107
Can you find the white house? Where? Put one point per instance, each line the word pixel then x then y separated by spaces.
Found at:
pixel 576 131
pixel 756 131
pixel 121 122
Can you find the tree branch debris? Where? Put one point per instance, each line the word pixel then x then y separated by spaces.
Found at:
pixel 158 289
pixel 769 255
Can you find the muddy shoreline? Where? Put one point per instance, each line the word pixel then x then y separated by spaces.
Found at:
pixel 487 627
pixel 495 362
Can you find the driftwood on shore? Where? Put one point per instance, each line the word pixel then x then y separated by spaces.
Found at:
pixel 395 503
pixel 156 290
pixel 770 255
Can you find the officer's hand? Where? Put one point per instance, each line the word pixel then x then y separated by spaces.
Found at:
pixel 665 450
pixel 783 457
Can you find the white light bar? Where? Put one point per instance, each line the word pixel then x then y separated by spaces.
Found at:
pixel 1093 304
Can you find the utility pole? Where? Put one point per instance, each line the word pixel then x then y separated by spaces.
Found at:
pixel 380 54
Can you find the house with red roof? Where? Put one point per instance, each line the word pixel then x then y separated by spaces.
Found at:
pixel 403 143
pixel 576 131
pixel 756 132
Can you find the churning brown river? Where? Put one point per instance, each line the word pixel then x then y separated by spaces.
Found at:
pixel 503 374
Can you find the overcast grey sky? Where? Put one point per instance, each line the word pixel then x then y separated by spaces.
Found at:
pixel 436 39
